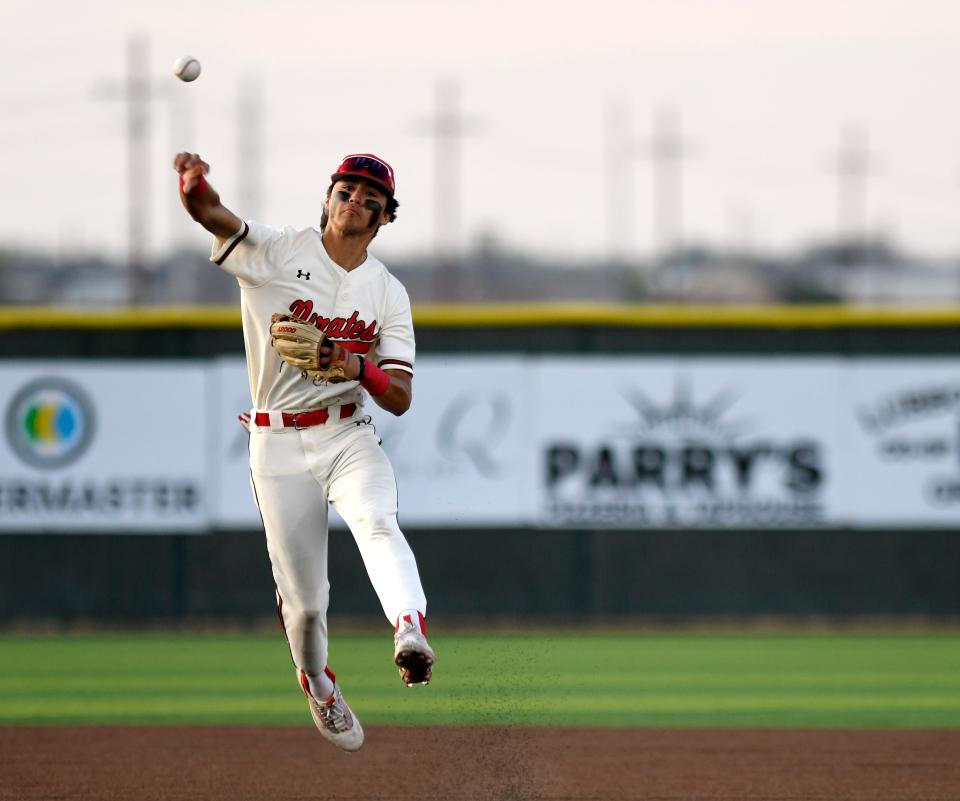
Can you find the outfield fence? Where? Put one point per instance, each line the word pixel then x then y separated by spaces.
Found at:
pixel 558 460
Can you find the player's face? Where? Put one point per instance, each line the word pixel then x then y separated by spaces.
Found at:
pixel 356 206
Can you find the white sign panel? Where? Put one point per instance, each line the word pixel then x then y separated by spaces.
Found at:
pixel 462 454
pixel 103 446
pixel 231 504
pixel 659 443
pixel 508 440
pixel 903 418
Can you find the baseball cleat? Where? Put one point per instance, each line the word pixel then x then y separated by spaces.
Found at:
pixel 412 653
pixel 334 718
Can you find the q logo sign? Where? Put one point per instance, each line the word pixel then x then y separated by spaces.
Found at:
pixel 50 423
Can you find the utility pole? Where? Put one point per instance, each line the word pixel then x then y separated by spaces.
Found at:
pixel 137 96
pixel 739 218
pixel 668 149
pixel 447 127
pixel 852 165
pixel 136 92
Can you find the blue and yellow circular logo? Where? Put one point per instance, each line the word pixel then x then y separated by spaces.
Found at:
pixel 50 423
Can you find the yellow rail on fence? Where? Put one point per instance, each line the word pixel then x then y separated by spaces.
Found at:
pixel 514 314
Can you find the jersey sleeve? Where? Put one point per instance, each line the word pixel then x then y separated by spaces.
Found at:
pixel 254 254
pixel 396 349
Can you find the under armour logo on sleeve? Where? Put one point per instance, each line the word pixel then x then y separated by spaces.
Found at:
pixel 302 274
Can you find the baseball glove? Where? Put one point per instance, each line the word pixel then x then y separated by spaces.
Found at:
pixel 299 344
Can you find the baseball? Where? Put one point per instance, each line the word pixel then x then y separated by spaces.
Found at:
pixel 186 68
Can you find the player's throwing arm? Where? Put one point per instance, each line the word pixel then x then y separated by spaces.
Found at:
pixel 201 200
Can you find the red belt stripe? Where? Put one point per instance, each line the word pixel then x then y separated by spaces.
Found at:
pixel 315 417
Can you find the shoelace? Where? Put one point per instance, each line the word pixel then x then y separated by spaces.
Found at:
pixel 408 628
pixel 334 718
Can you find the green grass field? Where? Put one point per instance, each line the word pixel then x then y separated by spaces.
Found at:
pixel 584 679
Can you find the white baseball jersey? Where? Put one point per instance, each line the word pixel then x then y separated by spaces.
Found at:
pixel 287 270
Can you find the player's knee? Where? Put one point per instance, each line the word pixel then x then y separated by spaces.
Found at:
pixel 378 524
pixel 307 620
pixel 309 615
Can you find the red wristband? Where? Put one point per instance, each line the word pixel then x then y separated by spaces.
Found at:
pixel 199 188
pixel 374 380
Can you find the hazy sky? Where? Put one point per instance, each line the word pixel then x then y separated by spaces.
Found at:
pixel 764 90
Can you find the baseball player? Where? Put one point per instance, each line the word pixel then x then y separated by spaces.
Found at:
pixel 324 326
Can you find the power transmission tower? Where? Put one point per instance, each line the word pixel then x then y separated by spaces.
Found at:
pixel 667 149
pixel 853 164
pixel 137 99
pixel 447 126
pixel 136 92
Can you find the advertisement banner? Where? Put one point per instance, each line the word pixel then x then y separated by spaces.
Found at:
pixel 231 500
pixel 464 452
pixel 904 419
pixel 103 446
pixel 692 443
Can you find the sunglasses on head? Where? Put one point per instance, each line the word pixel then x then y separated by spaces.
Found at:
pixel 369 165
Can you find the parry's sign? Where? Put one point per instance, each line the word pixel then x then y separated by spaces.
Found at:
pixel 689 443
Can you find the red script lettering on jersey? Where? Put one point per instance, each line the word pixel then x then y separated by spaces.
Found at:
pixel 351 327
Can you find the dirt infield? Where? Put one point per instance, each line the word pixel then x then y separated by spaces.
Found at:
pixel 206 763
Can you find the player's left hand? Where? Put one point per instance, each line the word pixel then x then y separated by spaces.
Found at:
pixel 303 346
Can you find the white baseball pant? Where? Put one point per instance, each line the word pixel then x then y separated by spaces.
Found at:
pixel 294 474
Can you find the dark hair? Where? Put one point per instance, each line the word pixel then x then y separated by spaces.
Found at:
pixel 391 209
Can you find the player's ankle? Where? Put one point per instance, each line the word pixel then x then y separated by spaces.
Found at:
pixel 321 687
pixel 413 617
